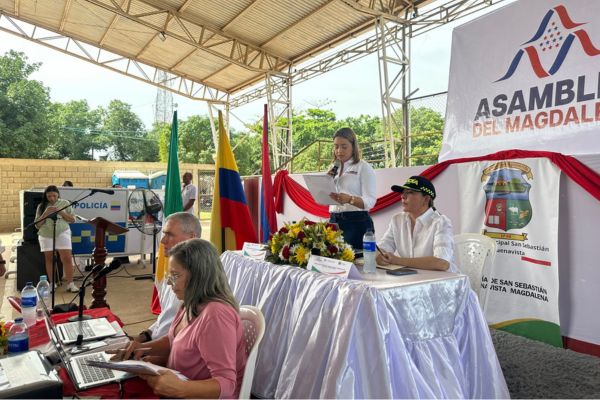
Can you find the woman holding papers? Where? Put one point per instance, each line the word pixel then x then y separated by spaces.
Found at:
pixel 205 342
pixel 57 237
pixel 355 182
pixel 418 237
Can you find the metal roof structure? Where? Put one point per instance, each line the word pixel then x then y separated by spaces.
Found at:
pixel 229 52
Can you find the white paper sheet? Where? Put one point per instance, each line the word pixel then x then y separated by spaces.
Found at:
pixel 320 186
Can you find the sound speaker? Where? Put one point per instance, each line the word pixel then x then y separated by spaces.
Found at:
pixel 30 264
pixel 31 200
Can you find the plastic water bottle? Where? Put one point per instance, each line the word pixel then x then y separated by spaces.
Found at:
pixel 18 337
pixel 43 291
pixel 369 252
pixel 28 304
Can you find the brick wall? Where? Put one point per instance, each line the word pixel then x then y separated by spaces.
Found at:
pixel 20 174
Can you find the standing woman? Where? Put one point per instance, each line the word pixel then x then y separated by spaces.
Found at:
pixel 50 203
pixel 355 181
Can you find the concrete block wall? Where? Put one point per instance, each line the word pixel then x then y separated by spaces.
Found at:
pixel 23 174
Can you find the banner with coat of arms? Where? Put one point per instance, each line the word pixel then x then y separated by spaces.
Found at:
pixel 516 203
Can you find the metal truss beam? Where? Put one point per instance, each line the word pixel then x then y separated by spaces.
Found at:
pixel 394 65
pixel 103 58
pixel 417 24
pixel 279 98
pixel 213 112
pixel 229 48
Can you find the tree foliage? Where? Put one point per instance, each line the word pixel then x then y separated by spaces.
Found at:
pixel 24 105
pixel 31 126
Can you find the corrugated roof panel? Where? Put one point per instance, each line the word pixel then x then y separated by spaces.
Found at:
pixel 230 77
pixel 8 5
pixel 87 21
pixel 47 12
pixel 129 36
pixel 218 12
pixel 267 18
pixel 328 24
pixel 165 54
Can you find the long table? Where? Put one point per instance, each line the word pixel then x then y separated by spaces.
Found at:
pixel 416 336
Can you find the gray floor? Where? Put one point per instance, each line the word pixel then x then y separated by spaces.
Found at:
pixel 536 370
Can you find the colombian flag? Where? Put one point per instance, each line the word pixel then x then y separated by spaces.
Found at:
pixel 268 219
pixel 230 224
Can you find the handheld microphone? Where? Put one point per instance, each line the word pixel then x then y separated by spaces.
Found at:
pixel 105 191
pixel 334 170
pixel 114 264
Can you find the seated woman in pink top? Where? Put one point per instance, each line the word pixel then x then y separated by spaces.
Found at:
pixel 205 342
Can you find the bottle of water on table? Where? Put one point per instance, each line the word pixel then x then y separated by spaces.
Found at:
pixel 43 291
pixel 370 266
pixel 18 337
pixel 29 304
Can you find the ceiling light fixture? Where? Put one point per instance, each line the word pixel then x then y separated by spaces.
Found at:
pixel 162 36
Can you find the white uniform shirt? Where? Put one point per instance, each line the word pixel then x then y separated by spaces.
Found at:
pixel 187 193
pixel 169 305
pixel 432 236
pixel 357 179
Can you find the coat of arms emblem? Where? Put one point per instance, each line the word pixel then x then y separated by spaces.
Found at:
pixel 507 203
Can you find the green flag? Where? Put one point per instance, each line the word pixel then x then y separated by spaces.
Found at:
pixel 173 201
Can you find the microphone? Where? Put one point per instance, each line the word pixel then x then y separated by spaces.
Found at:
pixel 96 268
pixel 105 191
pixel 114 264
pixel 334 170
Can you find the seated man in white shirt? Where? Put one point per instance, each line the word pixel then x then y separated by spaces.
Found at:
pixel 419 236
pixel 177 228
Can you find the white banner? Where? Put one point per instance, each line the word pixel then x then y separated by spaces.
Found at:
pixel 526 76
pixel 516 203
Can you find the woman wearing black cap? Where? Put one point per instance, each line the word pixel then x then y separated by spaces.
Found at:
pixel 355 182
pixel 418 237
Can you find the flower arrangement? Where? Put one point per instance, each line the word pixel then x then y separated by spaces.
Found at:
pixel 3 337
pixel 293 243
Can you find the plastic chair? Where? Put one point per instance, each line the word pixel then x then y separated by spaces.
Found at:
pixel 254 330
pixel 474 253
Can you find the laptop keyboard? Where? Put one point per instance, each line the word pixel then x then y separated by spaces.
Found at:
pixel 72 330
pixel 93 374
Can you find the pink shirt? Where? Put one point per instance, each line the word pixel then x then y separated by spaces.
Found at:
pixel 211 346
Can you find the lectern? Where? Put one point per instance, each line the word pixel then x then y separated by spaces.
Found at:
pixel 102 226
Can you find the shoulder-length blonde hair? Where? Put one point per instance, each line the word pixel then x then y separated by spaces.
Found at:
pixel 208 281
pixel 349 135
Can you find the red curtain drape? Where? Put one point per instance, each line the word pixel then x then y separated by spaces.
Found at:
pixel 573 168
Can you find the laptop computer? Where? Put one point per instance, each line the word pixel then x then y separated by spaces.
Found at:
pixel 91 329
pixel 82 375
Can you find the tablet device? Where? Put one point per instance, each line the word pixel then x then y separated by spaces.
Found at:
pixel 401 271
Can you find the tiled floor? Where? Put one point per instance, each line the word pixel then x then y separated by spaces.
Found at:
pixel 127 297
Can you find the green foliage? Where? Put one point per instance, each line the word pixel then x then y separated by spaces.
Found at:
pixel 427 127
pixel 162 131
pixel 24 103
pixel 75 127
pixel 128 139
pixel 247 150
pixel 195 141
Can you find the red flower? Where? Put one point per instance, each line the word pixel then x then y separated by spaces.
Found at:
pixel 333 227
pixel 309 223
pixel 332 249
pixel 301 235
pixel 284 230
pixel 285 252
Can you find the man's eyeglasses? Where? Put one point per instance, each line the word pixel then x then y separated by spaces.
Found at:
pixel 172 279
pixel 407 192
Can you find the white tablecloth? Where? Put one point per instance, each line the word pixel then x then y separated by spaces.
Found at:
pixel 419 336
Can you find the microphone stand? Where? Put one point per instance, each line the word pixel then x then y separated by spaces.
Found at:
pixel 80 316
pixel 54 216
